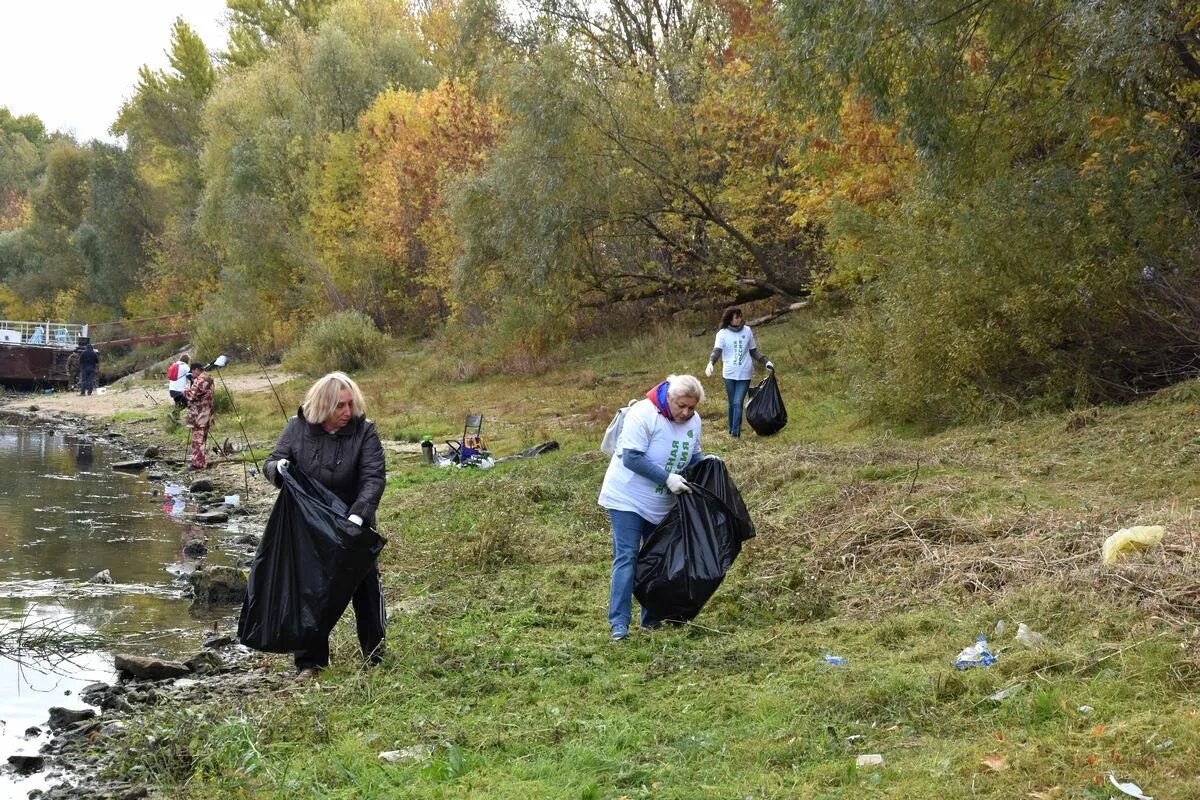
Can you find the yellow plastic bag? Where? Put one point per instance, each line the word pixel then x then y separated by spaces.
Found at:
pixel 1128 539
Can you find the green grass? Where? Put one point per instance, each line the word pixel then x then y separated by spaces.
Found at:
pixel 890 548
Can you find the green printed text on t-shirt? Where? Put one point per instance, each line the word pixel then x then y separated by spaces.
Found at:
pixel 678 457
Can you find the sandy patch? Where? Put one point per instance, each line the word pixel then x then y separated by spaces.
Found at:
pixel 118 398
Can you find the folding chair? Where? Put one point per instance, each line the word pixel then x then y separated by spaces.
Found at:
pixel 471 444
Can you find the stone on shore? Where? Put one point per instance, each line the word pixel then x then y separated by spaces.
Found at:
pixel 218 585
pixel 63 717
pixel 26 764
pixel 149 668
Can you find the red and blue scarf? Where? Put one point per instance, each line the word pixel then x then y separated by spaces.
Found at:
pixel 658 396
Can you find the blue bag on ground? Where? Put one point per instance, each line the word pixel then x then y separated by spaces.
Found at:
pixel 310 560
pixel 765 412
pixel 686 557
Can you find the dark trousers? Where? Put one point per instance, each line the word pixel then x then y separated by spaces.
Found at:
pixel 370 618
pixel 87 380
pixel 180 400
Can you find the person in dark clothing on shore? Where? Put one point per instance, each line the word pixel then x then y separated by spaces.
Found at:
pixel 331 440
pixel 89 369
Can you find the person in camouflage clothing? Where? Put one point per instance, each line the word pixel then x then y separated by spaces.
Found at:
pixel 199 414
pixel 73 369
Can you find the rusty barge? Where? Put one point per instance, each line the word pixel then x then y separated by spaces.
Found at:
pixel 34 354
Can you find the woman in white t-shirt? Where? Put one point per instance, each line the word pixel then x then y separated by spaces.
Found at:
pixel 659 439
pixel 736 348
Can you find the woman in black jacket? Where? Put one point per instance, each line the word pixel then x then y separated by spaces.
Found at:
pixel 331 440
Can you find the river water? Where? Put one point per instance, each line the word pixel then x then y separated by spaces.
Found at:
pixel 65 516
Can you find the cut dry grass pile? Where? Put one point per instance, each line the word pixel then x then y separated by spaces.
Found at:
pixel 884 528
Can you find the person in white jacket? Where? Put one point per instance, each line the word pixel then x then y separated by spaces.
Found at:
pixel 177 386
pixel 659 439
pixel 736 348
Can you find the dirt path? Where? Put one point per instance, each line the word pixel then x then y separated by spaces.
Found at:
pixel 114 399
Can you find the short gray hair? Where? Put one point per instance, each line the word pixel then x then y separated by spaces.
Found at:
pixel 685 386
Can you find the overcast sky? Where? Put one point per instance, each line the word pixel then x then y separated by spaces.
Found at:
pixel 74 62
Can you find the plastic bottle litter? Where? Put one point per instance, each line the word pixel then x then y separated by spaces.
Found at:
pixel 1004 694
pixel 1030 638
pixel 977 655
pixel 1086 709
pixel 835 661
pixel 1127 540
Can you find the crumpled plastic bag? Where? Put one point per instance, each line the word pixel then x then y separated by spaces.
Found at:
pixel 1127 540
pixel 1128 788
pixel 977 655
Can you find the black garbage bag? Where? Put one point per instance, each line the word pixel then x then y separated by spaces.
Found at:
pixel 310 560
pixel 765 412
pixel 686 557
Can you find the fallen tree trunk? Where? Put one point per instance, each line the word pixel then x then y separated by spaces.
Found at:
pixel 778 313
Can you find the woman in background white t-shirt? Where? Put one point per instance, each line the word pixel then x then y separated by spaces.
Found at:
pixel 659 439
pixel 735 346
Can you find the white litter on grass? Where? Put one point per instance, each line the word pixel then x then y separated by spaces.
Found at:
pixel 1004 694
pixel 1129 788
pixel 869 760
pixel 418 752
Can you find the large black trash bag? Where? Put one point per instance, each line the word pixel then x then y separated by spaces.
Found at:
pixel 686 557
pixel 765 412
pixel 310 560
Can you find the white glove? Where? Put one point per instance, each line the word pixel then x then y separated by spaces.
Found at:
pixel 708 370
pixel 356 519
pixel 769 365
pixel 281 464
pixel 677 484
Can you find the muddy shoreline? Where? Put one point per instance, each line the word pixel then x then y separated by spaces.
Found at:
pixel 75 762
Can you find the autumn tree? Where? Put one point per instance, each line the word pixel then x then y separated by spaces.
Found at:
pixel 272 129
pixel 379 212
pixel 22 140
pixel 654 166
pixel 258 27
pixel 1046 251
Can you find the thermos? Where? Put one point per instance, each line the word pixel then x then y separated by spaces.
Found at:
pixel 427 450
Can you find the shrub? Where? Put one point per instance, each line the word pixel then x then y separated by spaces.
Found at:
pixel 226 325
pixel 347 340
pixel 1028 290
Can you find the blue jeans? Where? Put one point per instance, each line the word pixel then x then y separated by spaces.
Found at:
pixel 736 392
pixel 629 530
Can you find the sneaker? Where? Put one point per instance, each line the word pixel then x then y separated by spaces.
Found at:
pixel 620 634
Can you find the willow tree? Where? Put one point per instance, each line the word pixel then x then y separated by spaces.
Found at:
pixel 270 131
pixel 641 162
pixel 1047 250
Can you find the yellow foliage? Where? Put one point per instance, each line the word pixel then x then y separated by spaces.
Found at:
pixel 864 165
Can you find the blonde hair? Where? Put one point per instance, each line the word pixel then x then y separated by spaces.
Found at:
pixel 322 397
pixel 685 386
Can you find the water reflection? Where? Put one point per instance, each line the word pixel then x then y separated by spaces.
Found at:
pixel 83 456
pixel 65 516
